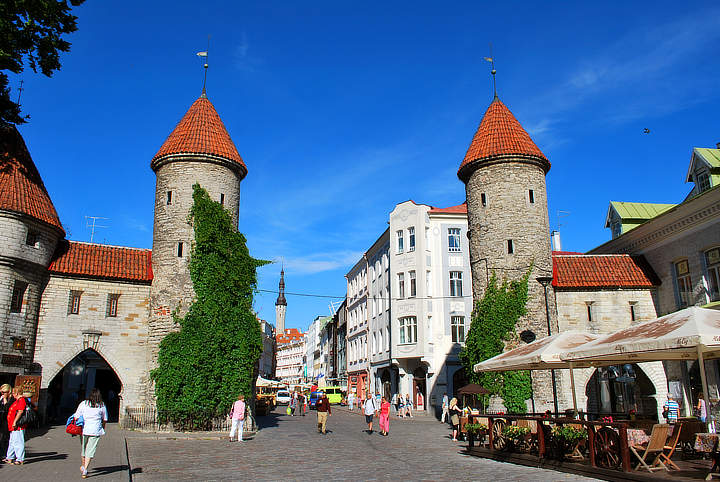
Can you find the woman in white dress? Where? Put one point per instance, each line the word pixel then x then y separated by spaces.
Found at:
pixel 94 414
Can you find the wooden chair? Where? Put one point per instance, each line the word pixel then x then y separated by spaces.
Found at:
pixel 655 447
pixel 669 448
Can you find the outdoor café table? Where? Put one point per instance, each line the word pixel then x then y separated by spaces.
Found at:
pixel 708 443
pixel 637 436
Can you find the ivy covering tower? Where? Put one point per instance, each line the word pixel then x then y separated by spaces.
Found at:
pixel 203 367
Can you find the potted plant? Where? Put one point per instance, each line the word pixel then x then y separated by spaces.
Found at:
pixel 475 430
pixel 516 435
pixel 566 439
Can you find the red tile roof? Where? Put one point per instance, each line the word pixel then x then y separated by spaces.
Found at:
pixel 290 335
pixel 201 131
pixel 459 209
pixel 74 258
pixel 21 187
pixel 499 135
pixel 602 271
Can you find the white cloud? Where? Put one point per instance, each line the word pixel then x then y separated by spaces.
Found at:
pixel 320 262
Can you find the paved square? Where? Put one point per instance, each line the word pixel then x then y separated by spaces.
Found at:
pixel 289 448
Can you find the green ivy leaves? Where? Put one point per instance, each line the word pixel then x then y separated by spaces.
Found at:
pixel 493 323
pixel 203 367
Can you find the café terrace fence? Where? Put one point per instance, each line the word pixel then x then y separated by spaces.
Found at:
pixel 606 446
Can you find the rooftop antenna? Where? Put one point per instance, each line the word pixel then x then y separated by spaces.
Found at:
pixel 20 89
pixel 491 59
pixel 205 65
pixel 561 214
pixel 91 222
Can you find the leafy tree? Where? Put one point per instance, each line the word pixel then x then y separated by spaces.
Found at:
pixel 203 367
pixel 493 324
pixel 31 32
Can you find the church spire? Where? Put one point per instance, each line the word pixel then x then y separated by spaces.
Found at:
pixel 281 290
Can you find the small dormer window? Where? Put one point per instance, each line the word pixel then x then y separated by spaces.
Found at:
pixel 616 228
pixel 702 181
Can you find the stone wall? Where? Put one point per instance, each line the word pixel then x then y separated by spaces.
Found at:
pixel 122 341
pixel 20 261
pixel 610 309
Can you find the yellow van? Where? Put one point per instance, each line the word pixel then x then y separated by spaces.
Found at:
pixel 334 394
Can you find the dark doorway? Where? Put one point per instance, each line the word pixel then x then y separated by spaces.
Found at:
pixel 386 388
pixel 620 389
pixel 419 390
pixel 73 383
pixel 459 380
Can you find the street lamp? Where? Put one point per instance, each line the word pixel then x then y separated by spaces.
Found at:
pixel 545 281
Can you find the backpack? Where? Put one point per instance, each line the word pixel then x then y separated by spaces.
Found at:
pixel 29 416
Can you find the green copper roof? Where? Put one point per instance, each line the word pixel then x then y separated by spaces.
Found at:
pixel 629 210
pixel 711 156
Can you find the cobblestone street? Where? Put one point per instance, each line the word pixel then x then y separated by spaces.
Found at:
pixel 289 448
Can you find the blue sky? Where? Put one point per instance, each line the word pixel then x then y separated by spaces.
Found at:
pixel 343 109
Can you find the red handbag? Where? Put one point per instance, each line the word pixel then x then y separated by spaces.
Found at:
pixel 73 429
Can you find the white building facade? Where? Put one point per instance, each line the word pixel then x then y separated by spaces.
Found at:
pixel 431 299
pixel 357 328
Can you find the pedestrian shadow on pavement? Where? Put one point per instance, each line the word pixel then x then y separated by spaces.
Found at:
pixel 110 469
pixel 269 420
pixel 32 457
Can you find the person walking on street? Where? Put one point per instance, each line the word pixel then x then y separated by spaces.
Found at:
pixel 237 414
pixel 323 412
pixel 94 414
pixel 445 408
pixel 672 408
pixel 6 400
pixel 369 408
pixel 16 446
pixel 455 418
pixel 384 417
pixel 408 405
pixel 401 406
pixel 351 400
pixel 301 402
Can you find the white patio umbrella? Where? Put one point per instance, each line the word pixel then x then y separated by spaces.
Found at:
pixel 689 334
pixel 543 354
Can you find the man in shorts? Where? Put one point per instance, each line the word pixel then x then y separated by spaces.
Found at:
pixel 369 408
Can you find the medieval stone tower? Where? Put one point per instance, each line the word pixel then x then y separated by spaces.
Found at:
pixel 504 175
pixel 199 150
pixel 29 233
pixel 280 305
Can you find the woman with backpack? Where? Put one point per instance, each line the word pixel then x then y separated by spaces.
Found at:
pixel 16 447
pixel 94 414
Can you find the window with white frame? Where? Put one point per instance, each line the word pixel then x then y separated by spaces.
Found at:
pixel 712 261
pixel 74 302
pixel 411 238
pixel 702 181
pixel 112 305
pixel 387 339
pixel 380 340
pixel 400 241
pixel 684 283
pixel 408 329
pixel 401 285
pixel 374 343
pixel 457 329
pixel 413 284
pixel 456 283
pixel 454 240
pixel 428 284
pixel 427 238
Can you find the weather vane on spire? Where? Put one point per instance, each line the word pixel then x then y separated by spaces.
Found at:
pixel 205 56
pixel 491 59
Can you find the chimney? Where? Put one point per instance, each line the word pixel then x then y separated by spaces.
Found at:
pixel 556 245
pixel 717 145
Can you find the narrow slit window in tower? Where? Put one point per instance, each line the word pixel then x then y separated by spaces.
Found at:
pixel 633 315
pixel 483 199
pixel 180 250
pixel 510 246
pixel 531 196
pixel 222 199
pixel 590 310
pixel 169 198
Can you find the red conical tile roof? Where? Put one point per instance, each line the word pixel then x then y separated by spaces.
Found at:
pixel 201 131
pixel 21 187
pixel 500 135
